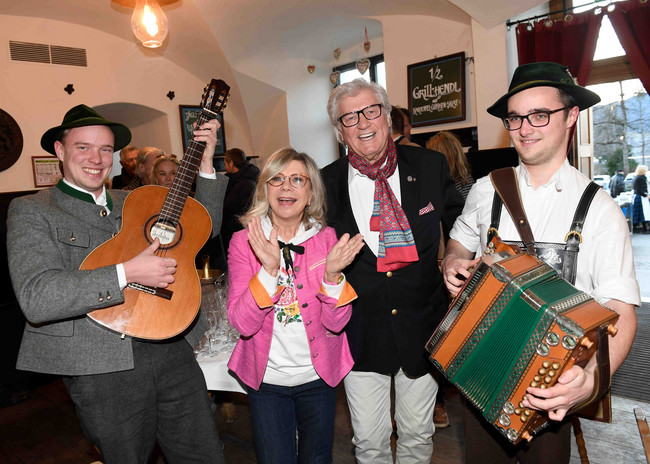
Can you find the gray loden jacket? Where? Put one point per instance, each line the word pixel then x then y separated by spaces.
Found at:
pixel 49 234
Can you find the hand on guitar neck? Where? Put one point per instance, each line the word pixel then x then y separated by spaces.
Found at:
pixel 149 269
pixel 207 133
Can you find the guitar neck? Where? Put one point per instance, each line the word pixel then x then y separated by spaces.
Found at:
pixel 182 185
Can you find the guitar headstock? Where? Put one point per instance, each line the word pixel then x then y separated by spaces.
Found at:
pixel 215 96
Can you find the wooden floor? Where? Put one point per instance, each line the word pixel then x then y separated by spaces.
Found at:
pixel 44 429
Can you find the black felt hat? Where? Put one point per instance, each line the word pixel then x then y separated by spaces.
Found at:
pixel 544 74
pixel 80 116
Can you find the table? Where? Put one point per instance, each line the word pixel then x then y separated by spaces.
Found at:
pixel 217 375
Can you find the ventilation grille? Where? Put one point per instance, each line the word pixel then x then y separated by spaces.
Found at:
pixel 49 54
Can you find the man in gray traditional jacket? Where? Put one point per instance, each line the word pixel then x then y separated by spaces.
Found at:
pixel 128 392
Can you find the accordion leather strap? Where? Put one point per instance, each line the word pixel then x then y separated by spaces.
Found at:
pixel 506 185
pixel 573 238
pixel 602 379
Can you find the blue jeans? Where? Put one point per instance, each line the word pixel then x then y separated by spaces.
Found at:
pixel 278 412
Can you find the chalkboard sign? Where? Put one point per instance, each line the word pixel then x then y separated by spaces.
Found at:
pixel 436 90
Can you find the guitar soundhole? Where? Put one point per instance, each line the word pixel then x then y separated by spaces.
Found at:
pixel 168 233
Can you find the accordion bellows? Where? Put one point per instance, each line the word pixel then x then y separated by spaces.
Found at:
pixel 516 323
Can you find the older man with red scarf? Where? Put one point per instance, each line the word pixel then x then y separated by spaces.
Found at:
pixel 397 197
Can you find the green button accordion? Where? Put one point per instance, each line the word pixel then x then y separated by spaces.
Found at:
pixel 515 323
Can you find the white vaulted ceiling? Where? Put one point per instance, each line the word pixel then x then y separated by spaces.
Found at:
pixel 246 29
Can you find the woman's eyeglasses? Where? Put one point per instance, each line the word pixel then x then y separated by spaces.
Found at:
pixel 297 180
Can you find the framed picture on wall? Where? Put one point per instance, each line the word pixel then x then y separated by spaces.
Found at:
pixel 436 90
pixel 189 115
pixel 47 171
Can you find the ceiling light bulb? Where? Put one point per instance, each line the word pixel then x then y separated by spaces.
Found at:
pixel 149 23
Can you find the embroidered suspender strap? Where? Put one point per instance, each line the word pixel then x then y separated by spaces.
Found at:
pixel 573 238
pixel 505 183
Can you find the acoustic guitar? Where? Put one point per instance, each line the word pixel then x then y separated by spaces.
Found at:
pixel 181 224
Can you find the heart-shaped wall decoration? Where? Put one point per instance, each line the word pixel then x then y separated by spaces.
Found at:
pixel 362 65
pixel 311 68
pixel 334 77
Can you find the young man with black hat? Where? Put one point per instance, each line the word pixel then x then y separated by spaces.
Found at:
pixel 128 393
pixel 540 111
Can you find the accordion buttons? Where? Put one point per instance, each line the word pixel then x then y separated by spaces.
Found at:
pixel 552 339
pixel 537 378
pixel 556 365
pixel 546 364
pixel 504 420
pixel 523 418
pixel 543 349
pixel 389 274
pixel 393 312
pixel 548 379
pixel 512 435
pixel 542 371
pixel 568 342
pixel 534 384
pixel 508 408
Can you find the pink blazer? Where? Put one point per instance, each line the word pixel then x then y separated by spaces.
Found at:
pixel 250 311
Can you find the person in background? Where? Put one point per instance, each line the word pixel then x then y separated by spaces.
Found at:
pixel 448 144
pixel 128 392
pixel 128 155
pixel 401 127
pixel 640 206
pixel 242 177
pixel 397 197
pixel 539 111
pixel 164 170
pixel 143 165
pixel 290 301
pixel 617 184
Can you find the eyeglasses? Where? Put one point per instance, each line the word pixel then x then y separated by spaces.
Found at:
pixel 369 112
pixel 535 119
pixel 296 181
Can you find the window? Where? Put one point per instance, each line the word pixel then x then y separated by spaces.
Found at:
pixel 376 71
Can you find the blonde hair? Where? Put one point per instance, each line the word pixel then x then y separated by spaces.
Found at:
pixel 314 211
pixel 160 159
pixel 448 144
pixel 641 169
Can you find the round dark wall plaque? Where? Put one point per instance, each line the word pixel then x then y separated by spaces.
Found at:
pixel 11 141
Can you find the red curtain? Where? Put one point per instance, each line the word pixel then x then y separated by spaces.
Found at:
pixel 631 21
pixel 571 43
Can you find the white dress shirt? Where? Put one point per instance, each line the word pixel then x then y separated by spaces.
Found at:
pixel 605 261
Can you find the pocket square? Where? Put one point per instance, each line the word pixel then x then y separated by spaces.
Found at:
pixel 427 209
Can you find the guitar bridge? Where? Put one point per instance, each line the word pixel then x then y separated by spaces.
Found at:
pixel 155 291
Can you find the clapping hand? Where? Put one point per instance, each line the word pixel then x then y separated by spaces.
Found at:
pixel 267 251
pixel 341 255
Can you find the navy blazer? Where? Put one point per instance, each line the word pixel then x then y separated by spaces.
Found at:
pixel 396 312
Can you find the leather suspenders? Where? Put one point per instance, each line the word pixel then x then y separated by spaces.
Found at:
pixel 506 191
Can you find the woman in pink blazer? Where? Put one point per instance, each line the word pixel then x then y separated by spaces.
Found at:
pixel 290 302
